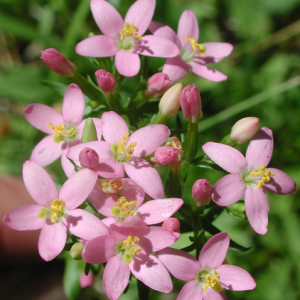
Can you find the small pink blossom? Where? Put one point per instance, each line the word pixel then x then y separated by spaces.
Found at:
pixel 129 249
pixel 192 55
pixel 158 84
pixel 250 177
pixel 57 62
pixel 125 39
pixel 244 129
pixel 207 276
pixel 55 212
pixel 89 158
pixel 173 225
pixel 106 81
pixel 86 280
pixel 165 155
pixel 202 191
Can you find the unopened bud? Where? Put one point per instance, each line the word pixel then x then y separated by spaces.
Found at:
pixel 158 84
pixel 202 191
pixel 58 63
pixel 89 158
pixel 76 251
pixel 165 155
pixel 172 224
pixel 86 280
pixel 106 81
pixel 244 129
pixel 89 132
pixel 190 101
pixel 170 101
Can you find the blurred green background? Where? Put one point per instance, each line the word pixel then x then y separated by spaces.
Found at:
pixel 263 81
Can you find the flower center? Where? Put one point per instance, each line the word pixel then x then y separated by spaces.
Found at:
pixel 128 36
pixel 63 132
pixel 112 186
pixel 260 176
pixel 196 46
pixel 122 153
pixel 208 279
pixel 127 248
pixel 122 208
pixel 56 211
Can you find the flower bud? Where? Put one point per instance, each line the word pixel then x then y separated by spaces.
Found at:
pixel 202 191
pixel 58 63
pixel 86 280
pixel 244 129
pixel 165 155
pixel 106 81
pixel 190 101
pixel 89 158
pixel 158 84
pixel 172 224
pixel 76 251
pixel 170 101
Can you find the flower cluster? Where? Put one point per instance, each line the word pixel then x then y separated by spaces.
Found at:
pixel 117 205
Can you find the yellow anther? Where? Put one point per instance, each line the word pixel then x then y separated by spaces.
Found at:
pixel 196 46
pixel 134 250
pixel 58 129
pixel 212 281
pixel 70 132
pixel 57 207
pixel 265 175
pixel 129 30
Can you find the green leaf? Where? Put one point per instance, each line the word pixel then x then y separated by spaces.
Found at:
pixel 237 210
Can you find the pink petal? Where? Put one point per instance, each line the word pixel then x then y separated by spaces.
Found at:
pixel 111 169
pixel 175 68
pixel 113 127
pixel 257 209
pixel 104 202
pixel 46 151
pixel 228 158
pixel 73 105
pixel 260 149
pixel 115 277
pixel 156 211
pixel 281 183
pixel 24 218
pixel 156 46
pixel 187 27
pixel 98 125
pixel 180 264
pixel 66 164
pixel 127 63
pixel 235 278
pixel 152 273
pixel 164 31
pixel 39 184
pixel 142 172
pixel 84 224
pixel 211 294
pixel 52 240
pixel 214 251
pixel 107 18
pixel 97 46
pixel 216 51
pixel 191 290
pixel 77 188
pixel 148 139
pixel 108 221
pixel 206 72
pixel 99 250
pixel 228 190
pixel 132 191
pixel 39 115
pixel 140 14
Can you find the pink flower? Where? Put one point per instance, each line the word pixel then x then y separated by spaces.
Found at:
pixel 55 212
pixel 207 276
pixel 63 129
pixel 121 152
pixel 192 55
pixel 124 38
pixel 244 129
pixel 106 81
pixel 57 62
pixel 165 155
pixel 202 191
pixel 158 84
pixel 250 177
pixel 129 249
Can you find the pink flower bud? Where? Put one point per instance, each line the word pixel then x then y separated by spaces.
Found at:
pixel 170 101
pixel 86 280
pixel 106 81
pixel 171 224
pixel 89 158
pixel 165 155
pixel 158 84
pixel 57 62
pixel 244 129
pixel 202 191
pixel 190 101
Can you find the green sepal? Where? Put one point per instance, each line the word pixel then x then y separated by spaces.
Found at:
pixel 237 210
pixel 89 133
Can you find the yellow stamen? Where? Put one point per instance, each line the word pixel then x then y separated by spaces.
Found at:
pixel 57 207
pixel 265 175
pixel 112 185
pixel 196 46
pixel 58 129
pixel 212 281
pixel 122 152
pixel 129 30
